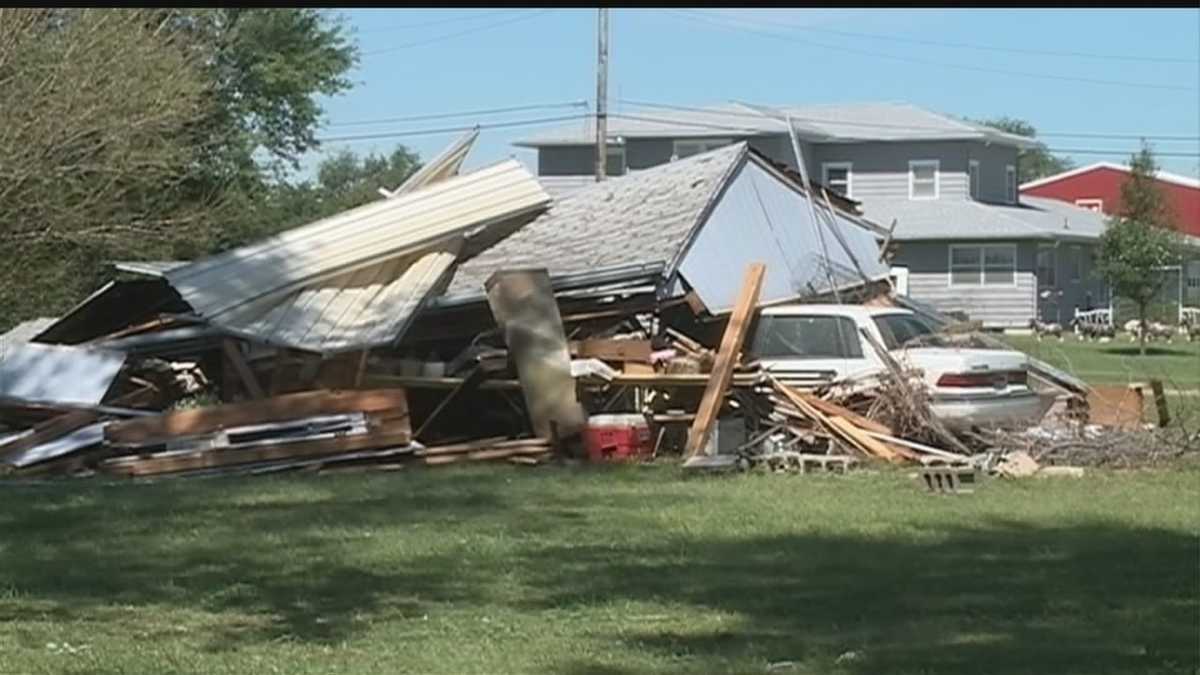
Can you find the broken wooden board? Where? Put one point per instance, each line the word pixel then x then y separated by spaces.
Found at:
pixel 278 409
pixel 611 350
pixel 174 462
pixel 522 301
pixel 1116 406
pixel 46 432
pixel 722 372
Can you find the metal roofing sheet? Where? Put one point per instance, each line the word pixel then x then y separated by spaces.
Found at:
pixel 359 309
pixel 149 268
pixel 25 332
pixel 57 373
pixel 360 237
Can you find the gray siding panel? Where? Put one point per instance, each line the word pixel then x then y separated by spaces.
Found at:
pixel 996 306
pixel 881 169
pixel 992 160
pixel 567 160
pixel 643 153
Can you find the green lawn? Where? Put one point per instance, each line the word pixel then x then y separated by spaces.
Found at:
pixel 1118 362
pixel 606 572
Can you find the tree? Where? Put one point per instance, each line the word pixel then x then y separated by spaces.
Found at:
pixel 343 181
pixel 1140 241
pixel 1033 163
pixel 96 150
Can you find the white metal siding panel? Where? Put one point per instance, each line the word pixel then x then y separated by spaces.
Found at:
pixel 759 218
pixel 358 238
pixel 57 373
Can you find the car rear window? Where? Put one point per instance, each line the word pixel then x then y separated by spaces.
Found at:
pixel 806 337
pixel 898 329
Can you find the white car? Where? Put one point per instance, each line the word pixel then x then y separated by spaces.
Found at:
pixel 968 387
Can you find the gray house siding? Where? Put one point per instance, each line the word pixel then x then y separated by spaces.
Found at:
pixel 992 160
pixel 1075 288
pixel 881 169
pixel 567 160
pixel 928 266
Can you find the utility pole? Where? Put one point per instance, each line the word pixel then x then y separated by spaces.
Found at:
pixel 602 96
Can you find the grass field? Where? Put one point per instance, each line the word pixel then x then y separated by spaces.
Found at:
pixel 603 572
pixel 1118 362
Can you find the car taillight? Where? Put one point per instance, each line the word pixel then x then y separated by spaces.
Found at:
pixel 967 380
pixel 1018 377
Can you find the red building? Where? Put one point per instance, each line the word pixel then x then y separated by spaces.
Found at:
pixel 1098 187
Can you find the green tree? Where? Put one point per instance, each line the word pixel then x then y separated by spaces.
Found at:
pixel 1033 163
pixel 1140 241
pixel 343 181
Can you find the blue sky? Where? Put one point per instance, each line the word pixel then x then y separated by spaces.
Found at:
pixel 428 62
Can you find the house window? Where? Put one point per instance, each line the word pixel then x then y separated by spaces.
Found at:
pixel 1010 184
pixel 973 177
pixel 923 179
pixel 614 160
pixel 837 177
pixel 1193 275
pixel 695 146
pixel 983 265
pixel 1096 205
pixel 1047 276
pixel 1076 263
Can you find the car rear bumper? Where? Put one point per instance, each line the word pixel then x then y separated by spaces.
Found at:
pixel 1022 409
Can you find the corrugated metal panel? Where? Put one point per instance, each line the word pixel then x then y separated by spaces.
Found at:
pixel 360 309
pixel 358 238
pixel 57 373
pixel 25 332
pixel 444 166
pixel 149 268
pixel 763 218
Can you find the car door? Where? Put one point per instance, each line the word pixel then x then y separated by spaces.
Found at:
pixel 800 348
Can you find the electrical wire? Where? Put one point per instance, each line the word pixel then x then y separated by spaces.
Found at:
pixel 465 113
pixel 930 62
pixel 964 45
pixel 447 130
pixel 450 36
pixel 474 16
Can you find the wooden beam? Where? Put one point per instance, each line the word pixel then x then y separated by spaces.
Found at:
pixel 278 409
pixel 362 368
pixel 834 409
pixel 722 372
pixel 611 350
pixel 208 459
pixel 47 431
pixel 243 369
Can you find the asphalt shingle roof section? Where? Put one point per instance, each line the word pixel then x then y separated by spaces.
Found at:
pixel 832 122
pixel 639 218
pixel 966 219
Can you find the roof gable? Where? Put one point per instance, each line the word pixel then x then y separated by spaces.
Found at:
pixel 1071 173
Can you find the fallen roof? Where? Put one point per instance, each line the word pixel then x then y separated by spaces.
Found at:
pixel 57 374
pixel 967 219
pixel 637 218
pixel 357 238
pixel 842 122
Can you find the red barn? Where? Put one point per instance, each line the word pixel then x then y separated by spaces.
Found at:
pixel 1098 187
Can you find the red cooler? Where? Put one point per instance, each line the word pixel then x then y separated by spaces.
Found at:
pixel 610 438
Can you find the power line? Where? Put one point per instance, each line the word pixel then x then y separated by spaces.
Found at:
pixel 465 113
pixel 990 48
pixel 929 62
pixel 884 125
pixel 1123 153
pixel 450 36
pixel 447 130
pixel 473 16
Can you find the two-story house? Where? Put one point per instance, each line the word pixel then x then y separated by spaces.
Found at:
pixel 965 238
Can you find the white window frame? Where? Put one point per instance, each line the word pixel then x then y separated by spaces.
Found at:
pixel 705 145
pixel 937 177
pixel 1011 189
pixel 982 265
pixel 615 149
pixel 848 166
pixel 1089 203
pixel 973 178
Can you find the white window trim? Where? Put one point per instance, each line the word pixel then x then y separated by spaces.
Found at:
pixel 848 166
pixel 706 143
pixel 937 177
pixel 973 171
pixel 1010 170
pixel 982 268
pixel 1085 203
